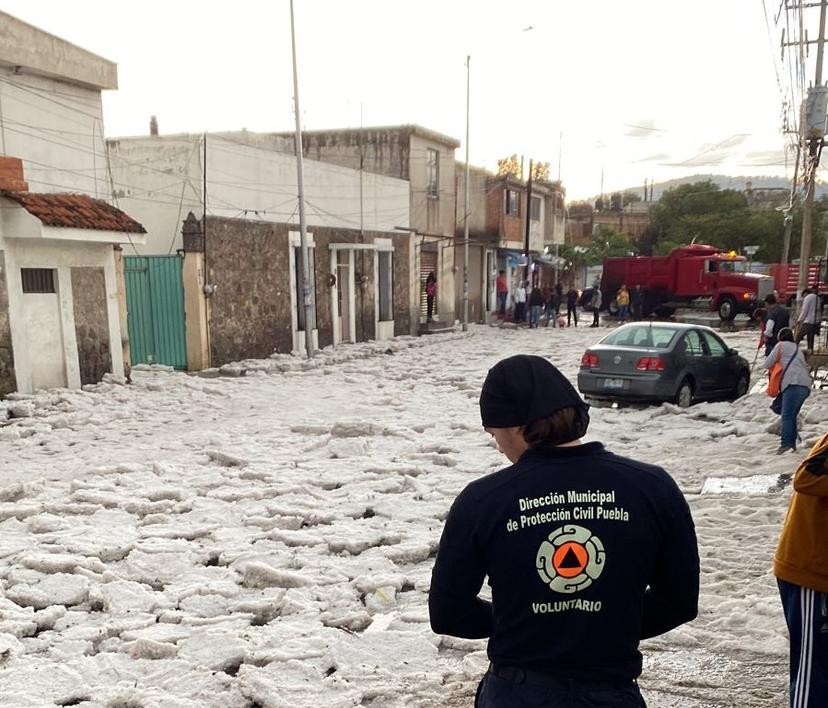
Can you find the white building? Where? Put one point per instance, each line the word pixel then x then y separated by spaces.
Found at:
pixel 61 311
pixel 160 179
pixel 51 117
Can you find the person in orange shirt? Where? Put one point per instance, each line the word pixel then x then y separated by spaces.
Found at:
pixel 801 570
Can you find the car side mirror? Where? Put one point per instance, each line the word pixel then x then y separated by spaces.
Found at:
pixel 732 352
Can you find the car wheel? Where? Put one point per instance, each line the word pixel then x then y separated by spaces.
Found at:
pixel 684 395
pixel 742 385
pixel 727 309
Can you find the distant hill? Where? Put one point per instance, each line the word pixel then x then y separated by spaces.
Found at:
pixel 725 182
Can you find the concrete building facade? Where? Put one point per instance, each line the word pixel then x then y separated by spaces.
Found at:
pixel 51 118
pixel 60 315
pixel 360 281
pixel 423 158
pixel 160 179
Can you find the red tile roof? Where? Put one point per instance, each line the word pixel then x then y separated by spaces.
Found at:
pixel 75 211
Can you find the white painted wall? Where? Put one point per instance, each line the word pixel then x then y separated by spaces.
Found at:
pixel 24 250
pixel 56 128
pixel 159 180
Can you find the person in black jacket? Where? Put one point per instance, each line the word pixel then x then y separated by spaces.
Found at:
pixel 777 319
pixel 572 296
pixel 586 552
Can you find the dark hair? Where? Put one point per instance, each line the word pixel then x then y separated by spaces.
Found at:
pixel 785 335
pixel 770 299
pixel 563 426
pixel 501 272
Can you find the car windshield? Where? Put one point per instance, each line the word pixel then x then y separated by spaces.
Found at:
pixel 640 336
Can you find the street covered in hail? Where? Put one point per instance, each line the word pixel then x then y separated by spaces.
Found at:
pixel 268 539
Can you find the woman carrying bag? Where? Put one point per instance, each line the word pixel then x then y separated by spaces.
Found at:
pixel 794 386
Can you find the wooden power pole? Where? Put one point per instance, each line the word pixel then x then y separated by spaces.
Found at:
pixel 814 135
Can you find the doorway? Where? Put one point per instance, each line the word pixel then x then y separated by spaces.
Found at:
pixel 44 327
pixel 344 291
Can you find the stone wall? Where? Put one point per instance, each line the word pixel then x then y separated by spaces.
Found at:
pixel 91 323
pixel 8 381
pixel 250 311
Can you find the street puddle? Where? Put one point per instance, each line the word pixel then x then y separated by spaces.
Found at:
pixel 756 484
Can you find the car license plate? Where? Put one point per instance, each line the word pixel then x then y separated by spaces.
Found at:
pixel 613 383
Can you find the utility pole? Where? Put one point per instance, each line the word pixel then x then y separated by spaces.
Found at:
pixel 300 181
pixel 528 220
pixel 814 136
pixel 786 245
pixel 466 213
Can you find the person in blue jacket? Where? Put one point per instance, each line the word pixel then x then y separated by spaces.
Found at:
pixel 586 552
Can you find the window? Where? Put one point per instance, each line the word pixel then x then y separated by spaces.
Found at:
pixel 300 299
pixel 640 336
pixel 385 276
pixel 38 280
pixel 715 345
pixel 512 203
pixel 534 212
pixel 432 173
pixel 693 344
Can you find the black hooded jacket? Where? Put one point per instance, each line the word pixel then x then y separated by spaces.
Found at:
pixel 586 554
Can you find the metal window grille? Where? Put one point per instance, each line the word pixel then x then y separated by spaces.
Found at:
pixel 432 173
pixel 38 280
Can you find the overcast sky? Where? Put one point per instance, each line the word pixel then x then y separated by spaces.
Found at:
pixel 640 88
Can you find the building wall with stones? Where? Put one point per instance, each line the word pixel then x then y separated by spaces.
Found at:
pixel 8 382
pixel 251 309
pixel 91 323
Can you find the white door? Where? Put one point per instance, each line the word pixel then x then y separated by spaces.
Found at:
pixel 344 293
pixel 45 339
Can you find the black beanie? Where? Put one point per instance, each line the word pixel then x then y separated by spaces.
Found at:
pixel 524 388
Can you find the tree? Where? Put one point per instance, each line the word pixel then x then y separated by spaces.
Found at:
pixel 540 171
pixel 510 166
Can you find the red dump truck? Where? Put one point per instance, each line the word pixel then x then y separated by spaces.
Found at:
pixel 786 279
pixel 688 275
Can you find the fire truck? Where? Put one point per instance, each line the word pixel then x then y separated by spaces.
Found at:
pixel 691 275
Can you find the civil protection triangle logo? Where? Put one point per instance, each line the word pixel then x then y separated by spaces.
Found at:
pixel 570 559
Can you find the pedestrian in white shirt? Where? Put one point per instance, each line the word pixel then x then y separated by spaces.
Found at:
pixel 520 302
pixel 808 320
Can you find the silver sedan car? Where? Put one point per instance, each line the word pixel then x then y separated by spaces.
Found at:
pixel 662 361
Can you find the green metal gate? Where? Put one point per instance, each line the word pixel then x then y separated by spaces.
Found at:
pixel 155 310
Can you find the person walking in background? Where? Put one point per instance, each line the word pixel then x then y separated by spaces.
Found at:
pixel 502 288
pixel 637 302
pixel 520 302
pixel 571 600
pixel 777 319
pixel 795 387
pixel 547 303
pixel 622 299
pixel 535 307
pixel 801 570
pixel 431 293
pixel 595 303
pixel 555 304
pixel 808 321
pixel 571 306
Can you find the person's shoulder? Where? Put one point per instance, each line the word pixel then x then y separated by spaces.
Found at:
pixel 483 488
pixel 645 474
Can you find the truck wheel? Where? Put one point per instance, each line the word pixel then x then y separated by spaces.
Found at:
pixel 727 309
pixel 612 308
pixel 684 395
